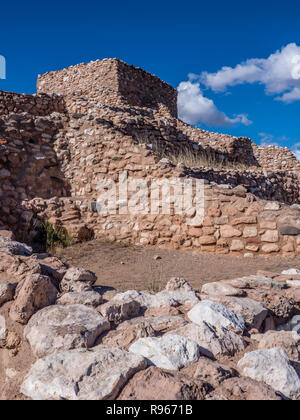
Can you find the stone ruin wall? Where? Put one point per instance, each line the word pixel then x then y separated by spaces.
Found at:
pixel 53 158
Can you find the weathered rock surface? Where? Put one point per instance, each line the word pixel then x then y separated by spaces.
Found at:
pixel 7 291
pixel 221 289
pixel 64 327
pixel 119 310
pixel 130 331
pixel 213 341
pixel 292 325
pixel 77 280
pixel 97 374
pixel 168 352
pixel 3 331
pixel 146 300
pixel 216 315
pixel 245 389
pixel 86 297
pixel 287 340
pixel 253 312
pixel 12 247
pixel 155 384
pixel 213 372
pixel 274 368
pixel 33 294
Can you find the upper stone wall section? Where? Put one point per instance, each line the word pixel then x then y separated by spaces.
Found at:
pixel 38 105
pixel 113 83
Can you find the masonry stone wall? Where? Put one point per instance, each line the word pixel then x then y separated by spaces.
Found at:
pixel 39 105
pixel 91 122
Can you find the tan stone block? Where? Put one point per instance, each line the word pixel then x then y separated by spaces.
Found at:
pixel 250 232
pixel 252 247
pixel 197 232
pixel 269 248
pixel 230 210
pixel 289 247
pixel 228 231
pixel 209 230
pixel 266 224
pixel 223 220
pixel 237 245
pixel 207 240
pixel 208 248
pixel 270 236
pixel 244 220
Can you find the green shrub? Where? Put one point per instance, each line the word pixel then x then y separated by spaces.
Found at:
pixel 54 237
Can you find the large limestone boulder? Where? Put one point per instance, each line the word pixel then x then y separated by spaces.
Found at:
pixel 7 291
pixel 274 368
pixel 77 280
pixel 155 384
pixel 181 291
pixel 216 315
pixel 64 327
pixel 168 352
pixel 221 289
pixel 213 341
pixel 97 374
pixel 120 309
pixel 287 340
pixel 253 312
pixel 130 331
pixel 146 300
pixel 90 298
pixel 33 294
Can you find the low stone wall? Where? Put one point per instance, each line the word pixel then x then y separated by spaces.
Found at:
pixel 39 105
pixel 274 158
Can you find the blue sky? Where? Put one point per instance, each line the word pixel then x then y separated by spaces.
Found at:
pixel 186 44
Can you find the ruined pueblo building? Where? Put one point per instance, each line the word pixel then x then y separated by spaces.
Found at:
pixel 91 123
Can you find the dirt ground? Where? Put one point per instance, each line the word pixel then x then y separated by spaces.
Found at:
pixel 132 267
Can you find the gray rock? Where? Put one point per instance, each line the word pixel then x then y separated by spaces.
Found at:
pixel 2 328
pixel 77 280
pixel 221 289
pixel 272 367
pixel 14 247
pixel 292 325
pixel 64 327
pixel 97 374
pixel 289 230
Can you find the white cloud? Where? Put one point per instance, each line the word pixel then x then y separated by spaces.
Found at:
pixel 194 107
pixel 296 150
pixel 280 73
pixel 267 140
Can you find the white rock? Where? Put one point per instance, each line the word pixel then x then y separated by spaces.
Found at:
pixel 168 352
pixel 2 328
pixel 181 297
pixel 64 327
pixel 293 283
pixel 291 271
pixel 97 374
pixel 216 315
pixel 213 341
pixel 253 312
pixel 119 310
pixel 274 368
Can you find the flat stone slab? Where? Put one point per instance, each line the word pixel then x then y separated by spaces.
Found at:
pixel 87 297
pixel 216 315
pixel 221 289
pixel 168 352
pixel 146 300
pixel 15 248
pixel 97 374
pixel 64 327
pixel 272 367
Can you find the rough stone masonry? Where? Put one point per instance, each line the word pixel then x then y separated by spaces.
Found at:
pixel 92 121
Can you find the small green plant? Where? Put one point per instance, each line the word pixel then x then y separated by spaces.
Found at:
pixel 55 237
